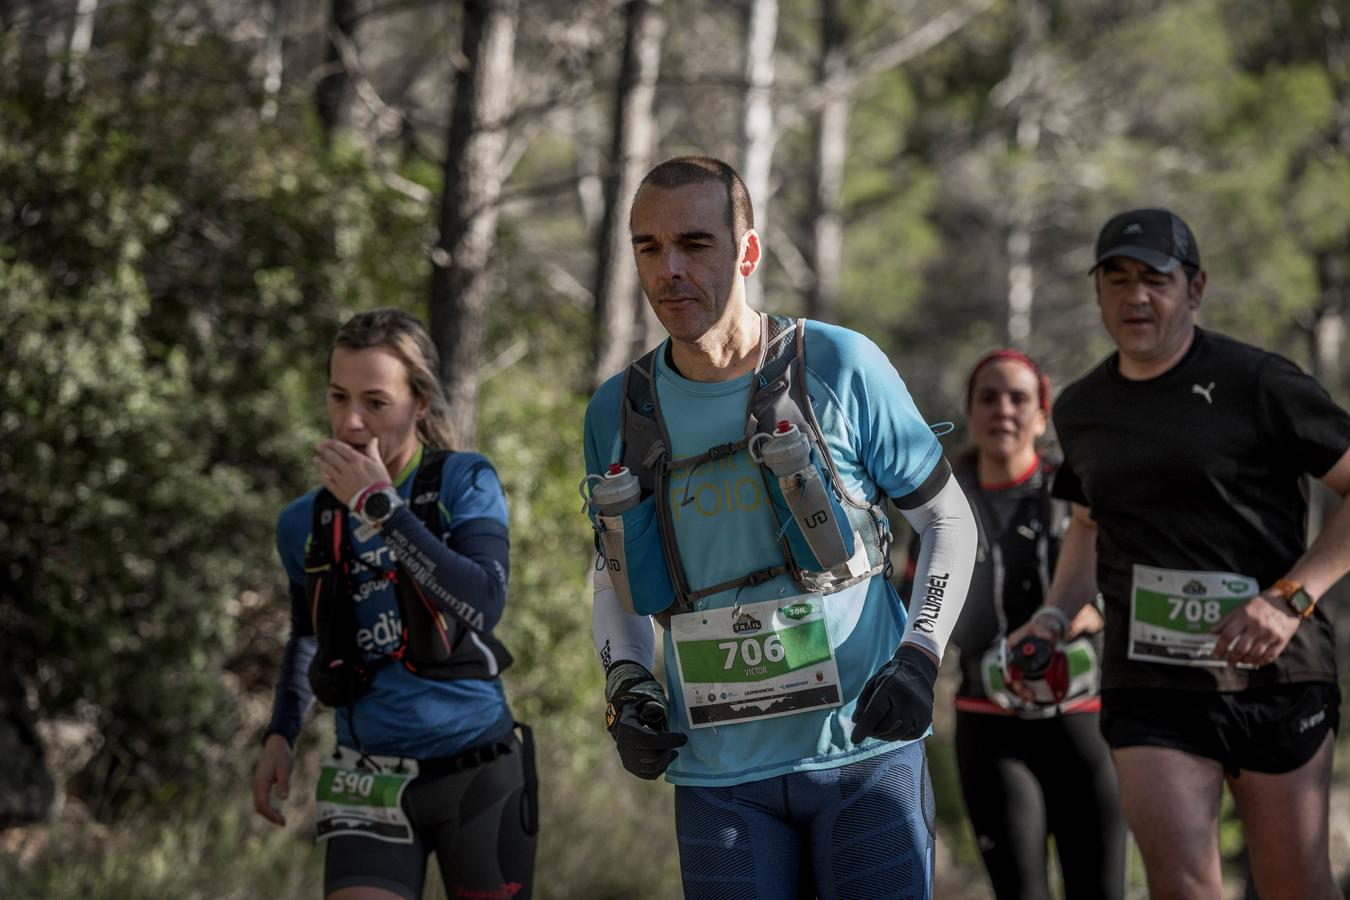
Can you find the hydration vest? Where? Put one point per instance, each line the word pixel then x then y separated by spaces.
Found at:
pixel 433 644
pixel 1006 553
pixel 1010 554
pixel 777 394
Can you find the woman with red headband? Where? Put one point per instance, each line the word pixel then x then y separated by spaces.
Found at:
pixel 1028 770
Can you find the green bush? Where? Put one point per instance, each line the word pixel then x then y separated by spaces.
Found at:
pixel 172 272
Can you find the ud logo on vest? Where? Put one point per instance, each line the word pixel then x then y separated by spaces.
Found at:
pixel 1194 588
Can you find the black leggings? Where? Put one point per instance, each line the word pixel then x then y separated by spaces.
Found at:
pixel 1026 779
pixel 481 822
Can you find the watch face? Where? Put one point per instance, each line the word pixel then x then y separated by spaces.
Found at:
pixel 377 505
pixel 1300 602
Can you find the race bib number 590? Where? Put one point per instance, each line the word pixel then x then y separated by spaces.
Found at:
pixel 354 799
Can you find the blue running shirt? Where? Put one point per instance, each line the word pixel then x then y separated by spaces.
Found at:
pixel 880 443
pixel 404 714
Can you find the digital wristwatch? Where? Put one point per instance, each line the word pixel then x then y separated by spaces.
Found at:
pixel 379 505
pixel 1295 596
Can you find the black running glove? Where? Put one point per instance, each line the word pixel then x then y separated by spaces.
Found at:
pixel 636 717
pixel 896 704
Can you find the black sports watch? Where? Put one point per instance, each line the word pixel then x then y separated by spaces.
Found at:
pixel 380 505
pixel 1298 599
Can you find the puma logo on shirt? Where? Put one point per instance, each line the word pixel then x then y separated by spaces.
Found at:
pixel 1204 392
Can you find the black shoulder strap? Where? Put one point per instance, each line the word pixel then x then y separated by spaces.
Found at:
pixel 326 570
pixel 338 674
pixel 328 524
pixel 1045 560
pixel 426 489
pixel 780 349
pixel 436 645
pixel 640 428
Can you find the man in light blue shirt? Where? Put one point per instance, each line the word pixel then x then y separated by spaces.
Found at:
pixel 797 691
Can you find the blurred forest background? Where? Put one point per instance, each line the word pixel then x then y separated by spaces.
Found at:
pixel 194 193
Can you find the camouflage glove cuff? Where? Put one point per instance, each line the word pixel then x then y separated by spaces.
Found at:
pixel 636 717
pixel 629 678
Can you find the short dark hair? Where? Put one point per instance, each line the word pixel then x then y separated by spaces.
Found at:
pixel 683 170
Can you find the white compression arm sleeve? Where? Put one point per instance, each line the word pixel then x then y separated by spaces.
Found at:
pixel 618 634
pixel 946 528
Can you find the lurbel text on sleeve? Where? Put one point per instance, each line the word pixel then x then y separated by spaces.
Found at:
pixel 934 590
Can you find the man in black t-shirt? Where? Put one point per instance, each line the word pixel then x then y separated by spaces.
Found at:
pixel 1184 452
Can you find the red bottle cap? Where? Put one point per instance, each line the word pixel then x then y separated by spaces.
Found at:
pixel 615 468
pixel 783 426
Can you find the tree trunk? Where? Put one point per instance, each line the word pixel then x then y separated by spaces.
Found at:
pixel 28 24
pixel 1327 337
pixel 81 41
pixel 590 188
pixel 617 300
pixel 1021 282
pixel 53 28
pixel 1027 109
pixel 649 331
pixel 827 223
pixel 82 37
pixel 757 128
pixel 26 787
pixel 274 62
pixel 460 261
pixel 333 92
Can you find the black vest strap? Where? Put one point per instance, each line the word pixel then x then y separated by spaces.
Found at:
pixel 992 536
pixel 339 674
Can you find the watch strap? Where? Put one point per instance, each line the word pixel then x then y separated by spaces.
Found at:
pixel 1295 596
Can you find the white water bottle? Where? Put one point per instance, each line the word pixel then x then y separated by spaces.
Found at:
pixel 787 453
pixel 616 492
pixel 610 495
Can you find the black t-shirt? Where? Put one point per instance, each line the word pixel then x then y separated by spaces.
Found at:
pixel 1199 469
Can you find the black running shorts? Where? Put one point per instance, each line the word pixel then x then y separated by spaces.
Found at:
pixel 1272 729
pixel 479 818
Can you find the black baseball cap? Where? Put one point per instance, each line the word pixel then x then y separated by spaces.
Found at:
pixel 1158 238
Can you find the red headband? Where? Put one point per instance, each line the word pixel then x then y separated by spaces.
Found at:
pixel 1016 356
